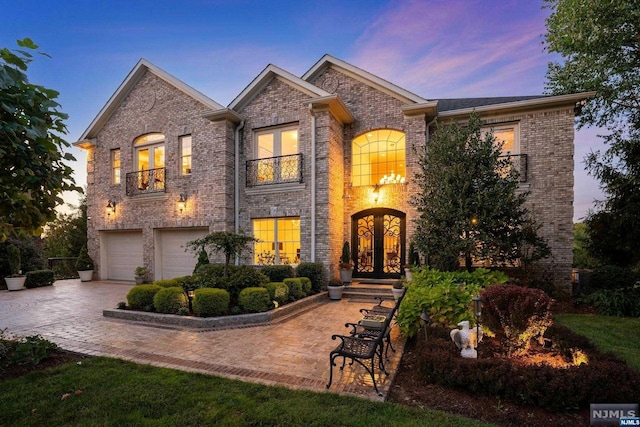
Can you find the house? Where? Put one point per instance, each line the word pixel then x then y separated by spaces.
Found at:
pixel 302 163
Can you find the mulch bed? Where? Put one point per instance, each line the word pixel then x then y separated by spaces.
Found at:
pixel 56 358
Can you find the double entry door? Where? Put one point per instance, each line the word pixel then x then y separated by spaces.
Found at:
pixel 378 243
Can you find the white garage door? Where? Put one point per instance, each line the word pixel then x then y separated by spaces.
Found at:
pixel 123 251
pixel 173 260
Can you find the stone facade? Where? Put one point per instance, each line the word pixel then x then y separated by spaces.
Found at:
pixel 330 106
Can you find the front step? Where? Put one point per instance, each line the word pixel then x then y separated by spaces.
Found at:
pixel 359 290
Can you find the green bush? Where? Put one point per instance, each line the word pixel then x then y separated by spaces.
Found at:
pixel 172 283
pixel 84 261
pixel 39 278
pixel 295 288
pixel 277 273
pixel 141 296
pixel 446 297
pixel 516 315
pixel 306 285
pixel 240 277
pixel 22 350
pixel 213 270
pixel 612 277
pixel 278 292
pixel 203 259
pixel 617 302
pixel 210 302
pixel 314 271
pixel 245 276
pixel 254 300
pixel 170 300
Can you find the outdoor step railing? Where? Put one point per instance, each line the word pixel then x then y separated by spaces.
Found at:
pixel 274 170
pixel 146 181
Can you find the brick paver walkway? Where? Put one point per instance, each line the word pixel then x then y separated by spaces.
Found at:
pixel 293 352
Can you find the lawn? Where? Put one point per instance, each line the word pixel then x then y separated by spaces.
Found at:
pixel 114 392
pixel 610 334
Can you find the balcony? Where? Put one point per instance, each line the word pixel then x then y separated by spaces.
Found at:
pixel 274 170
pixel 519 161
pixel 145 182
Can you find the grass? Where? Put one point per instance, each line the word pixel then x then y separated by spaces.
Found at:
pixel 120 393
pixel 610 334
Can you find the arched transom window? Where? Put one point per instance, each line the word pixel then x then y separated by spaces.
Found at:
pixel 378 157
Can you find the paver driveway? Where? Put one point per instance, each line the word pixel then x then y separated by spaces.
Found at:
pixel 293 352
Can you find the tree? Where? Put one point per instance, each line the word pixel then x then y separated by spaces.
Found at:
pixel 468 206
pixel 230 244
pixel 599 42
pixel 67 233
pixel 31 149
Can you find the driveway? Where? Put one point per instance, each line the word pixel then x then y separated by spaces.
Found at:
pixel 292 351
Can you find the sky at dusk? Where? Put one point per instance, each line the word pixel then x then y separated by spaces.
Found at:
pixel 434 48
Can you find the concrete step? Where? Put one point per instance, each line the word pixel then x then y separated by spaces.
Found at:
pixel 368 291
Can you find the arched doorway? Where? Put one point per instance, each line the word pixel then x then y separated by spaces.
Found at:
pixel 378 242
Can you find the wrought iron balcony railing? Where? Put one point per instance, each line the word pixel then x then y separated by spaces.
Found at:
pixel 274 170
pixel 146 181
pixel 519 161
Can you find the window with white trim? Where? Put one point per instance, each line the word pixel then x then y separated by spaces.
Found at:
pixel 115 166
pixel 276 151
pixel 278 241
pixel 185 155
pixel 378 157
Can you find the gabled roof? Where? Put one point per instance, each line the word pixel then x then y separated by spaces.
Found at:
pixel 363 76
pixel 265 77
pixel 125 88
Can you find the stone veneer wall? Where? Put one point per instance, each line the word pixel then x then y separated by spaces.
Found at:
pixel 156 106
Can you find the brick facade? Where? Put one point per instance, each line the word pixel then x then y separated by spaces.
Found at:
pixel 153 104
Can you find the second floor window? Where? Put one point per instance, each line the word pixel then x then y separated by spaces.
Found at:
pixel 271 145
pixel 378 157
pixel 185 155
pixel 115 166
pixel 150 151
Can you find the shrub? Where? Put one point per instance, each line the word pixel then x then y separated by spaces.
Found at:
pixel 295 288
pixel 84 261
pixel 39 278
pixel 314 271
pixel 278 292
pixel 172 283
pixel 617 302
pixel 210 302
pixel 612 277
pixel 446 297
pixel 13 255
pixel 254 300
pixel 212 270
pixel 306 285
pixel 141 296
pixel 18 351
pixel 243 277
pixel 203 259
pixel 516 315
pixel 277 273
pixel 170 300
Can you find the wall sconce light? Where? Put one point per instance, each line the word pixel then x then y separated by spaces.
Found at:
pixel 376 193
pixel 111 207
pixel 182 202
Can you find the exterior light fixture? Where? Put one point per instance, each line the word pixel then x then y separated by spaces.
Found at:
pixel 111 207
pixel 182 202
pixel 376 193
pixel 477 312
pixel 190 295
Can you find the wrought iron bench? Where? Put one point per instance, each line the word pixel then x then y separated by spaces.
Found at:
pixel 364 344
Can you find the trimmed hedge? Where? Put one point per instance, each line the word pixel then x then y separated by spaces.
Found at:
pixel 254 300
pixel 314 271
pixel 140 297
pixel 295 289
pixel 306 285
pixel 278 292
pixel 612 277
pixel 39 278
pixel 603 379
pixel 170 300
pixel 277 273
pixel 210 302
pixel 171 283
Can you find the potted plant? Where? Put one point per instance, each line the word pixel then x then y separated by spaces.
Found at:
pixel 335 288
pixel 346 267
pixel 398 289
pixel 84 265
pixel 140 274
pixel 15 281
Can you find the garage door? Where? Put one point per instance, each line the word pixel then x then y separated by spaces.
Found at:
pixel 123 252
pixel 173 260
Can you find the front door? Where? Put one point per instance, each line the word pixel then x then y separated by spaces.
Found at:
pixel 378 237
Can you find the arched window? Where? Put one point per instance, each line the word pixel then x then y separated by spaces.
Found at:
pixel 149 157
pixel 378 157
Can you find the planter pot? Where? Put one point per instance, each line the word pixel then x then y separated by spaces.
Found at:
pixel 15 283
pixel 397 293
pixel 345 275
pixel 335 292
pixel 139 280
pixel 85 275
pixel 407 274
